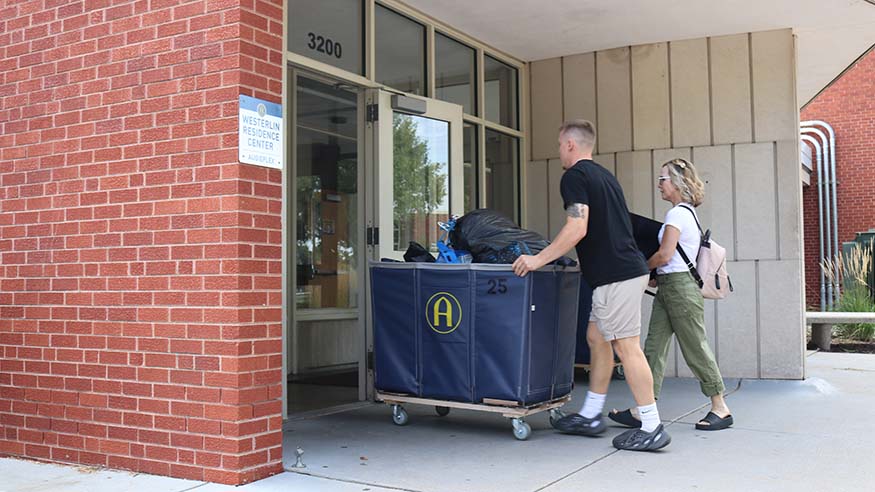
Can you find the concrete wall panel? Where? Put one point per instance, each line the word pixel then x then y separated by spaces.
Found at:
pixel 755 202
pixel 635 176
pixel 694 99
pixel 737 324
pixel 608 161
pixel 690 89
pixel 537 198
pixel 651 124
pixel 730 89
pixel 546 76
pixel 556 210
pixel 578 87
pixel 789 200
pixel 614 101
pixel 774 85
pixel 717 212
pixel 782 328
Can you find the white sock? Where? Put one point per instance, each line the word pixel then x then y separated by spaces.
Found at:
pixel 649 416
pixel 593 405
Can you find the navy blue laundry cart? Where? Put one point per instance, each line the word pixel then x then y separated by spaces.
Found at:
pixel 474 336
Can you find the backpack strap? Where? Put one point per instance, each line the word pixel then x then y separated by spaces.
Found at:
pixel 694 217
pixel 690 265
pixel 693 271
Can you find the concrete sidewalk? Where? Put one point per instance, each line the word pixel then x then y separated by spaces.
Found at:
pixel 788 435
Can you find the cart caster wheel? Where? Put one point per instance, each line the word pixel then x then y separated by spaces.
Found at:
pixel 442 411
pixel 521 429
pixel 399 415
pixel 555 415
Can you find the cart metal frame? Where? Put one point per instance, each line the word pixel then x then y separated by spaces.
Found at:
pixel 508 409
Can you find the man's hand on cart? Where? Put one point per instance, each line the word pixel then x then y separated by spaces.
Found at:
pixel 525 264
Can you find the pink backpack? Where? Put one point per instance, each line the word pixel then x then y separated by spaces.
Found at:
pixel 710 268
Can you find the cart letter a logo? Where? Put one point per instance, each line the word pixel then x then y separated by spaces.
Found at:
pixel 443 313
pixel 443 308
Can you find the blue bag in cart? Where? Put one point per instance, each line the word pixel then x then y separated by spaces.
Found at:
pixel 446 253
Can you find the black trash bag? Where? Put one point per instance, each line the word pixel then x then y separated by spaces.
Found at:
pixel 491 237
pixel 416 253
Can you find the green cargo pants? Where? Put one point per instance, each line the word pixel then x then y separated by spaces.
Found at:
pixel 679 309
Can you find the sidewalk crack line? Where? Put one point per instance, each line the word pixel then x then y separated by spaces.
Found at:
pixel 357 482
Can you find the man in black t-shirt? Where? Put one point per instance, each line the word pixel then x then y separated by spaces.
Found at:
pixel 598 225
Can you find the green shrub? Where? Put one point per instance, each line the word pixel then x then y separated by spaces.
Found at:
pixel 856 300
pixel 854 269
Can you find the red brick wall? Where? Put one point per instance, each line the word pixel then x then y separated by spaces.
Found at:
pixel 848 105
pixel 140 295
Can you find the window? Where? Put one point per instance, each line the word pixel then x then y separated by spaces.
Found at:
pixel 501 92
pixel 399 48
pixel 329 32
pixel 469 157
pixel 455 68
pixel 502 173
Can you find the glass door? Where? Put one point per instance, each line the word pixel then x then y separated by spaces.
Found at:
pixel 326 339
pixel 414 176
pixel 419 172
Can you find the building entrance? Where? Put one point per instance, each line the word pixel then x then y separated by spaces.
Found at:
pixel 372 171
pixel 325 335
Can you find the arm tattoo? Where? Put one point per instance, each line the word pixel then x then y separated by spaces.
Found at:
pixel 576 211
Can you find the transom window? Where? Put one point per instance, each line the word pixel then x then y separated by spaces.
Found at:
pixel 398 48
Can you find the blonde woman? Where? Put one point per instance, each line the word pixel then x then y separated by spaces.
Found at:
pixel 679 308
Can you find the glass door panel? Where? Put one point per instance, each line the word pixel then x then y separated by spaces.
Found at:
pixel 420 179
pixel 326 329
pixel 327 196
pixel 420 174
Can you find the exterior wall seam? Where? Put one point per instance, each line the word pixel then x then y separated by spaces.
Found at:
pixel 758 316
pixel 670 91
pixel 753 121
pixel 631 103
pixel 710 87
pixel 734 206
pixel 777 203
pixel 595 83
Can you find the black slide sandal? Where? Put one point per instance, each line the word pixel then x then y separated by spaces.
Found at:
pixel 625 418
pixel 715 422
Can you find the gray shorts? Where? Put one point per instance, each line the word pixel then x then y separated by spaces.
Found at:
pixel 616 308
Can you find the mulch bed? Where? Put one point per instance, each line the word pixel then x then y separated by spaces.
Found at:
pixel 849 346
pixel 852 346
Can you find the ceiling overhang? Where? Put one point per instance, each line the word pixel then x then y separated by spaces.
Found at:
pixel 830 35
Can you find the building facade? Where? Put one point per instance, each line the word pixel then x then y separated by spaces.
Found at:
pixel 164 306
pixel 847 105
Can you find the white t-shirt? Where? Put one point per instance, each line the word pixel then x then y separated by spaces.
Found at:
pixel 681 218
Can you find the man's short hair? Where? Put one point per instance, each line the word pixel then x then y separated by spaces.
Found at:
pixel 582 131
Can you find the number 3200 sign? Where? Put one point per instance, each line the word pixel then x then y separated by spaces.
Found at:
pixel 324 45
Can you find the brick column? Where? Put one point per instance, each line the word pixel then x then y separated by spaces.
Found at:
pixel 140 296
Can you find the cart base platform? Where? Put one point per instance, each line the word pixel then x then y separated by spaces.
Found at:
pixel 508 409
